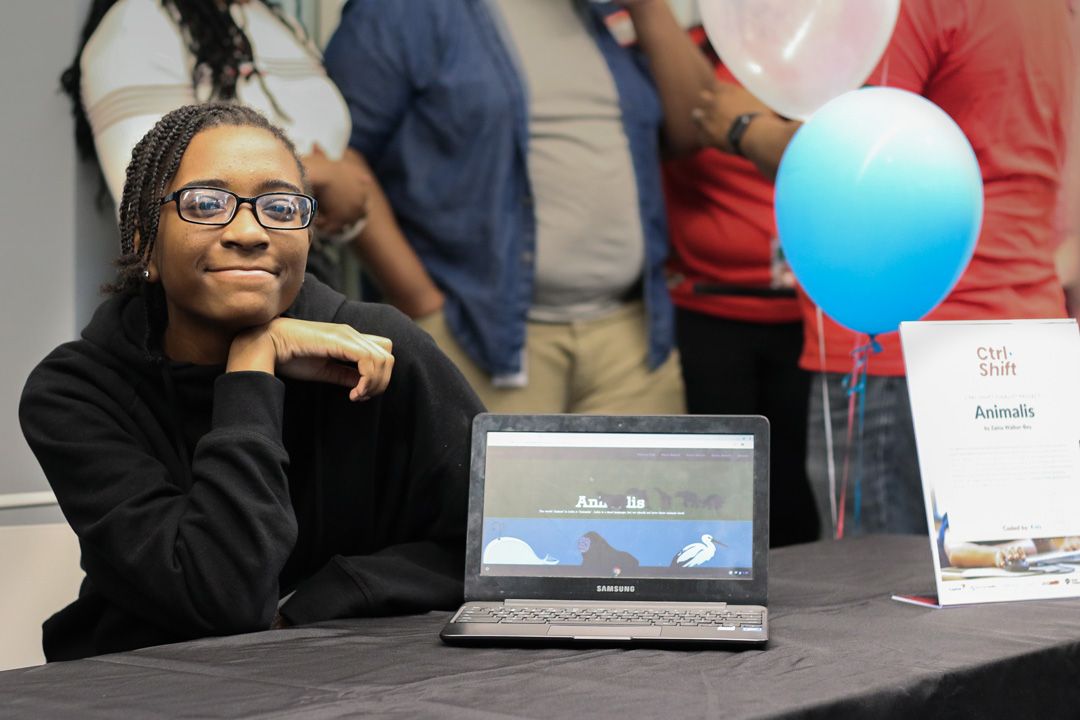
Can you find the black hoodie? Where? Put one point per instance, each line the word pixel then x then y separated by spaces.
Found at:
pixel 200 498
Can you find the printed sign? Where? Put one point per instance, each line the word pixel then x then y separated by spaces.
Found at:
pixel 996 406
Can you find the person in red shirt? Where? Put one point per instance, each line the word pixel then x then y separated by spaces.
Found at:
pixel 738 324
pixel 1005 72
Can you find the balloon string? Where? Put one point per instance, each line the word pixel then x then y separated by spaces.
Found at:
pixel 850 381
pixel 859 450
pixel 830 457
pixel 855 386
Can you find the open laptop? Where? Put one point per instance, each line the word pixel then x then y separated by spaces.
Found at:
pixel 631 529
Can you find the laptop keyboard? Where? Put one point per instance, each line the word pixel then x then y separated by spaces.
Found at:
pixel 562 615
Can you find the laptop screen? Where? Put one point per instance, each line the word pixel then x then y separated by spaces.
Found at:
pixel 618 505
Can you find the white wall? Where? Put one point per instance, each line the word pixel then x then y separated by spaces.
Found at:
pixel 43 564
pixel 43 276
pixel 44 279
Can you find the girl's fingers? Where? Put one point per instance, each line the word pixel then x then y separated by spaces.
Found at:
pixel 375 371
pixel 335 353
pixel 376 362
pixel 383 342
pixel 360 392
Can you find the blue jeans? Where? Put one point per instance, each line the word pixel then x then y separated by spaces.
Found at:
pixel 892 498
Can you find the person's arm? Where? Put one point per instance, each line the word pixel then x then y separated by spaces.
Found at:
pixel 194 557
pixel 348 193
pixel 379 65
pixel 424 441
pixel 389 258
pixel 764 137
pixel 379 60
pixel 134 70
pixel 764 142
pixel 679 69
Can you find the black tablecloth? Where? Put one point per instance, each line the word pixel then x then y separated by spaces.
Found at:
pixel 839 647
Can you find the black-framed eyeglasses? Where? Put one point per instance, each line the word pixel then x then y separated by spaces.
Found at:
pixel 214 206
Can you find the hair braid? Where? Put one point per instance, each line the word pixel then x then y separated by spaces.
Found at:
pixel 219 46
pixel 133 220
pixel 154 163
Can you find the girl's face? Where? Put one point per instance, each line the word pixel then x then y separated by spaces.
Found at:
pixel 217 279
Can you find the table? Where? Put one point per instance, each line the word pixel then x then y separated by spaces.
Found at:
pixel 839 647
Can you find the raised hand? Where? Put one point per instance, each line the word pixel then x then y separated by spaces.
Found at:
pixel 342 187
pixel 321 352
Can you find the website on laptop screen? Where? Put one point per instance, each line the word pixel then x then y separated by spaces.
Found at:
pixel 630 505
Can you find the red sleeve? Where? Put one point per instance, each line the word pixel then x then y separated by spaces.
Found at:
pixel 924 31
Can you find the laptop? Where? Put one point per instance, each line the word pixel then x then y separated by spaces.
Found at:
pixel 628 529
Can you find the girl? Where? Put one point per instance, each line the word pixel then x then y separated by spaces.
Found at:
pixel 225 434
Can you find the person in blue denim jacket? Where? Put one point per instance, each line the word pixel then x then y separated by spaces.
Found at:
pixel 518 143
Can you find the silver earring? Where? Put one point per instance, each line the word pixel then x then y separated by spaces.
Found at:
pixel 146 274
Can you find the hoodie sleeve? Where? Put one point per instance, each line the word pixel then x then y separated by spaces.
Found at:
pixel 191 554
pixel 425 438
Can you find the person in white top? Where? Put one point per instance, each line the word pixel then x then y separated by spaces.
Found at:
pixel 142 58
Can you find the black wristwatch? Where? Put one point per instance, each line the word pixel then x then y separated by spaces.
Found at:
pixel 738 129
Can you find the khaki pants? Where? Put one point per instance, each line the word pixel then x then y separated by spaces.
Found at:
pixel 595 367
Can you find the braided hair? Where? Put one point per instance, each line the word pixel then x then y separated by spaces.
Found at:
pixel 219 46
pixel 154 163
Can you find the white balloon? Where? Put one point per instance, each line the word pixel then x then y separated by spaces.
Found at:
pixel 796 55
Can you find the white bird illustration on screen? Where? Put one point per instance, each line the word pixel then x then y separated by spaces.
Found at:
pixel 697 553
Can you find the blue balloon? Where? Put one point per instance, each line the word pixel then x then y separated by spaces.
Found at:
pixel 879 202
